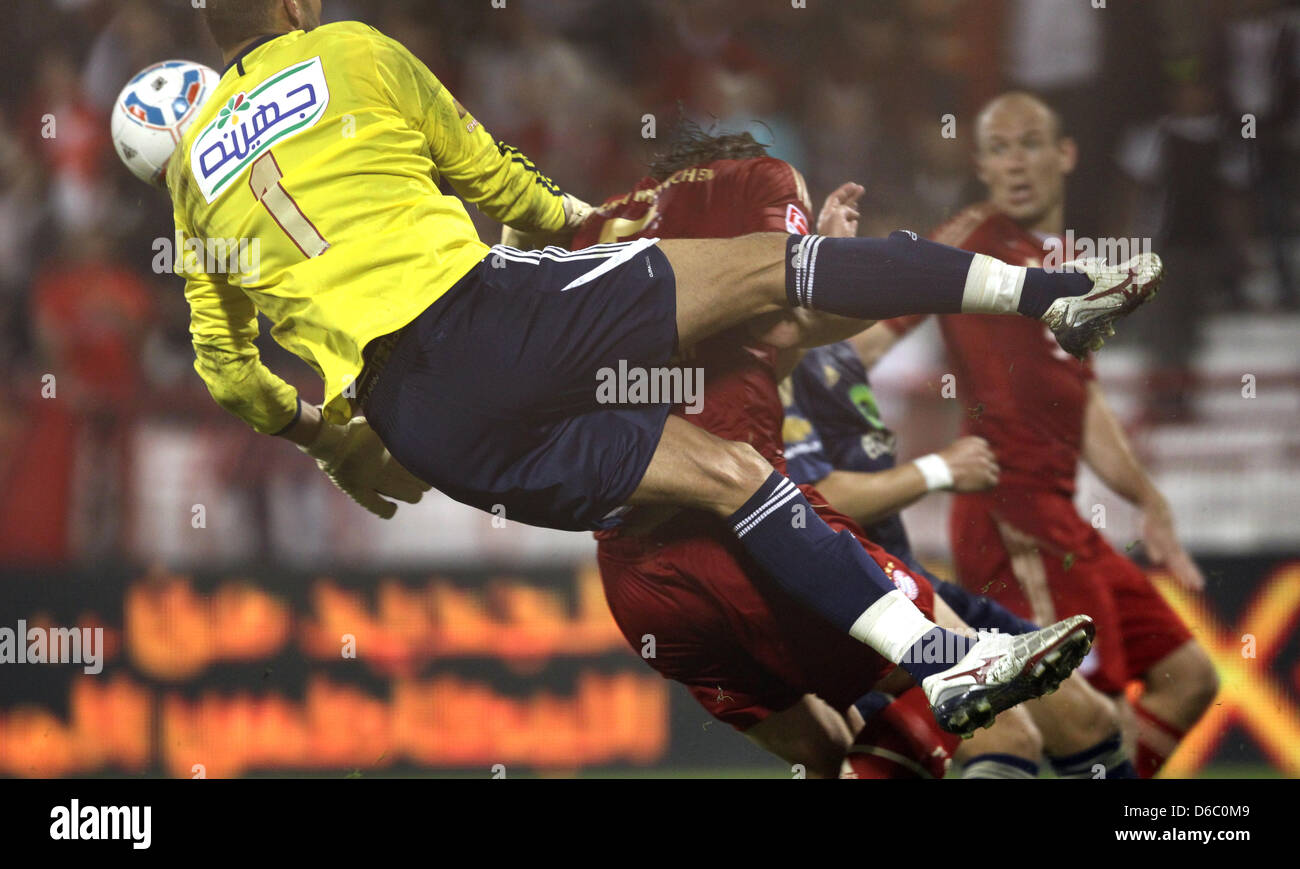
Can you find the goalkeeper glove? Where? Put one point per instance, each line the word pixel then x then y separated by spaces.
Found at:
pixel 576 212
pixel 357 462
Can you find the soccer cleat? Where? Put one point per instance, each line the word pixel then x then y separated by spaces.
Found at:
pixel 1083 323
pixel 1001 670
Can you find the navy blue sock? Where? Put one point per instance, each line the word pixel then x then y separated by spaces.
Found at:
pixel 880 278
pixel 1106 759
pixel 828 572
pixel 1043 287
pixel 870 704
pixel 999 766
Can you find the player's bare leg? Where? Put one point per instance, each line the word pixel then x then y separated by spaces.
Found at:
pixel 1011 748
pixel 1177 690
pixel 1073 718
pixel 809 734
pixel 723 282
pixel 1181 686
pixel 813 735
pixel 834 576
pixel 1082 732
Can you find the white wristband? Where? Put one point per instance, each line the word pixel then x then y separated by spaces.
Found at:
pixel 935 470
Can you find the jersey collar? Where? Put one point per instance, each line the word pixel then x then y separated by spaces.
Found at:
pixel 251 47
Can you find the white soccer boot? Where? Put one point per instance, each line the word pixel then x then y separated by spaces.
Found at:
pixel 1001 670
pixel 1083 323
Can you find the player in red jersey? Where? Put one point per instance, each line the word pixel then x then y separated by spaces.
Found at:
pixel 715 621
pixel 1042 411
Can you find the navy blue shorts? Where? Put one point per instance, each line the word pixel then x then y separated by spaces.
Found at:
pixel 978 612
pixel 490 395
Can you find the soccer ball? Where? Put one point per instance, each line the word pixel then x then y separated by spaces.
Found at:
pixel 153 111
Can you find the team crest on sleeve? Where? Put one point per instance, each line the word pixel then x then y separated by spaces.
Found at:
pixel 796 221
pixel 903 581
pixel 287 103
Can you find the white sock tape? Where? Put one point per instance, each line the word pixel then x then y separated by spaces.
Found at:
pixel 992 287
pixel 935 470
pixel 891 626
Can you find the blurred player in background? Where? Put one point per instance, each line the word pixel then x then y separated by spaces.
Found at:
pixel 1023 543
pixel 479 369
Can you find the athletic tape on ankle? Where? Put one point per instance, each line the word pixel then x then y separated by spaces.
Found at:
pixel 936 472
pixel 992 287
pixel 891 626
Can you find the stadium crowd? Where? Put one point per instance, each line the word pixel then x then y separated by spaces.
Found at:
pixel 1195 144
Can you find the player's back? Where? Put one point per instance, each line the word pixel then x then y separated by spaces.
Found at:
pixel 319 155
pixel 719 199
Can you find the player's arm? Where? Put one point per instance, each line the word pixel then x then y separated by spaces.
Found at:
pixel 499 179
pixel 869 497
pixel 792 336
pixel 802 329
pixel 223 327
pixel 1108 452
pixel 966 465
pixel 872 344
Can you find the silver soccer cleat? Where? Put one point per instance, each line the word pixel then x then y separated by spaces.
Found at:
pixel 1083 323
pixel 1001 670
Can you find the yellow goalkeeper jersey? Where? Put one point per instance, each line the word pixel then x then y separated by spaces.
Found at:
pixel 307 190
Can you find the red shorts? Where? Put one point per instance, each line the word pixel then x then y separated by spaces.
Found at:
pixel 1034 554
pixel 724 629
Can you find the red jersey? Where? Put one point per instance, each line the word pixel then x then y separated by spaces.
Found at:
pixel 1020 391
pixel 722 199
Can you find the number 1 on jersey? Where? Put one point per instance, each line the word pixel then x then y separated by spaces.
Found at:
pixel 264 178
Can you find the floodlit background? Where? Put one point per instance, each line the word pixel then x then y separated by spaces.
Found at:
pixel 480 645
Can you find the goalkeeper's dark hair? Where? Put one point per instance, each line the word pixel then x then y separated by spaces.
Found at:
pixel 235 21
pixel 689 145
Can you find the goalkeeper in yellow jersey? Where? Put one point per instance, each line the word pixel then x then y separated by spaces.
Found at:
pixel 486 372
